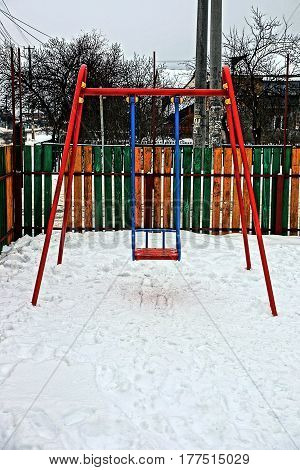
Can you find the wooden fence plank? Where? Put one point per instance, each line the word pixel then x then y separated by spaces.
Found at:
pixel 257 158
pixel 186 187
pixel 28 190
pixel 108 156
pixel 148 187
pixel 207 166
pixel 37 190
pixel 47 166
pixel 127 190
pixel 88 203
pixel 265 215
pixel 66 179
pixel 157 188
pixel 118 165
pixel 9 194
pixel 276 162
pixel 3 228
pixel 217 164
pixel 138 188
pixel 78 191
pixel 98 188
pixel 245 189
pixel 236 216
pixel 174 187
pixel 197 166
pixel 227 189
pixel 286 166
pixel 294 204
pixel 167 188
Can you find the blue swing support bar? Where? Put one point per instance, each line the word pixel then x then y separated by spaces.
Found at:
pixel 163 231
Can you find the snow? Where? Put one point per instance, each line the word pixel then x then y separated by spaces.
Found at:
pixel 149 355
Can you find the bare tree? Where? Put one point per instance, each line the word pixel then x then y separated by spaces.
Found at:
pixel 50 86
pixel 257 52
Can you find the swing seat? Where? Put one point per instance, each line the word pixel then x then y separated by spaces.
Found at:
pixel 169 254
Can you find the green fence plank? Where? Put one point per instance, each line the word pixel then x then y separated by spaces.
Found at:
pixel 277 151
pixel 108 157
pixel 265 216
pixel 186 187
pixel 257 181
pixel 118 187
pixel 28 190
pixel 286 166
pixel 37 190
pixel 47 166
pixel 98 188
pixel 127 190
pixel 207 168
pixel 174 196
pixel 3 228
pixel 197 165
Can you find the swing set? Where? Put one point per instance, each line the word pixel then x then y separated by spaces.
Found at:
pixel 132 94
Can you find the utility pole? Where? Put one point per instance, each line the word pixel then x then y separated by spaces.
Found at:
pixel 30 84
pixel 215 108
pixel 286 106
pixel 199 131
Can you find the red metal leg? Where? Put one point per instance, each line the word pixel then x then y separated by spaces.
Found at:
pixel 237 125
pixel 69 186
pixel 238 183
pixel 79 87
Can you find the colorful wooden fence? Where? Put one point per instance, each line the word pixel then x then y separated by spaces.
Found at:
pixel 101 189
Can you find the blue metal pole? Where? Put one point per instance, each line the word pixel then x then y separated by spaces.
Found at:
pixel 177 178
pixel 132 147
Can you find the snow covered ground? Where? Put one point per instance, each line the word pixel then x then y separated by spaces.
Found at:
pixel 149 355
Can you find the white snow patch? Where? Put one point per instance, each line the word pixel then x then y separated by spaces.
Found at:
pixel 156 355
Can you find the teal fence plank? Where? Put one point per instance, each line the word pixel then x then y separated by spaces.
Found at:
pixel 265 216
pixel 276 160
pixel 127 189
pixel 47 166
pixel 108 157
pixel 98 188
pixel 186 190
pixel 28 190
pixel 118 165
pixel 37 190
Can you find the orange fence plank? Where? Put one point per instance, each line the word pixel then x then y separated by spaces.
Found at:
pixel 148 187
pixel 88 203
pixel 216 191
pixel 78 191
pixel 138 188
pixel 66 179
pixel 294 205
pixel 167 188
pixel 157 188
pixel 245 190
pixel 236 219
pixel 227 189
pixel 9 193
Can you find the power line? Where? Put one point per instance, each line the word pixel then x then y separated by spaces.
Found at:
pixel 13 21
pixel 21 32
pixel 23 22
pixel 9 36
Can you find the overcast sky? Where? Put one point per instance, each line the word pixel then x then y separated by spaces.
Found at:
pixel 167 26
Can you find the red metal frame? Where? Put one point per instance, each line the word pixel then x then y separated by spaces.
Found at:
pixel 236 137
